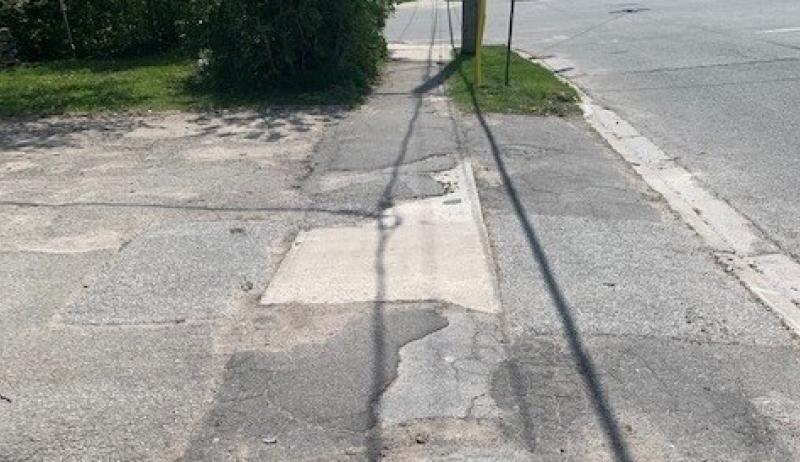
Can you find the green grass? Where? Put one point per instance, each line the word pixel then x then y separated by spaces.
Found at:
pixel 533 89
pixel 134 84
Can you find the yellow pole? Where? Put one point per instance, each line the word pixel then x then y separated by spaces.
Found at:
pixel 483 18
pixel 479 41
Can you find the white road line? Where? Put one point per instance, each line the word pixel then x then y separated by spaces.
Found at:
pixel 779 31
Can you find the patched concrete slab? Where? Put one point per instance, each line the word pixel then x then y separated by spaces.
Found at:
pixel 25 285
pixel 430 249
pixel 179 273
pixel 103 393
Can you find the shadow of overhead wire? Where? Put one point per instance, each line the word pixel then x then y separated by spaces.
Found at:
pixel 582 358
pixel 385 230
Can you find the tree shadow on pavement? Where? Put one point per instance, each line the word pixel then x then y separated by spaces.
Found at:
pixel 582 358
pixel 35 132
pixel 271 125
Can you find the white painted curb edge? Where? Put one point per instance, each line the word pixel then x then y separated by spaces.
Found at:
pixel 738 245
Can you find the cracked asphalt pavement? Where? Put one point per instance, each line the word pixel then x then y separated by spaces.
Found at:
pixel 142 317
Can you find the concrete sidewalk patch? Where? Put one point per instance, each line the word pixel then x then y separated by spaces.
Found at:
pixel 421 250
pixel 439 52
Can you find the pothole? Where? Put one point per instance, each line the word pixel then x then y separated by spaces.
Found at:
pixel 629 10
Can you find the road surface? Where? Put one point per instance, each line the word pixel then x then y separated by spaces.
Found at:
pixel 715 83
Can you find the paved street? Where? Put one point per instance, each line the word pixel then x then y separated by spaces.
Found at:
pixel 713 82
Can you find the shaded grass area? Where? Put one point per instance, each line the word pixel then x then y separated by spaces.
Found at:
pixel 533 89
pixel 135 84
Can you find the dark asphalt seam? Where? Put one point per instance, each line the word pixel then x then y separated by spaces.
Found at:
pixel 199 208
pixel 121 324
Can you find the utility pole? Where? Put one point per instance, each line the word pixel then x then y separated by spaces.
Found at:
pixel 473 23
pixel 469 26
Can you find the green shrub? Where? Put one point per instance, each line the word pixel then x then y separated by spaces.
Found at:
pixel 257 44
pixel 100 28
pixel 248 45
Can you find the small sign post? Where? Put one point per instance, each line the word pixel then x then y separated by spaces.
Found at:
pixel 510 35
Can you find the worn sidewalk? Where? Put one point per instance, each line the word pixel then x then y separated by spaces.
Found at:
pixel 628 340
pixel 418 283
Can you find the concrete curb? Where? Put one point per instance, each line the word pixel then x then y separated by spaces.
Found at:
pixel 740 247
pixel 477 213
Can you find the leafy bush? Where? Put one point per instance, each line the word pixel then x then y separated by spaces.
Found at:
pixel 100 27
pixel 246 44
pixel 295 43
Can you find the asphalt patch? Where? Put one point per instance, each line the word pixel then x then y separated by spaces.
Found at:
pixel 314 399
